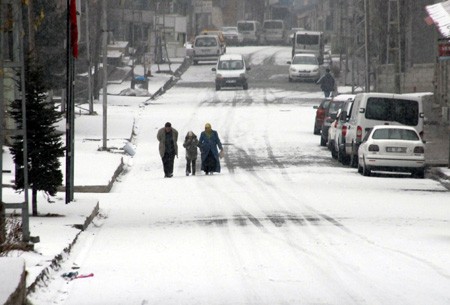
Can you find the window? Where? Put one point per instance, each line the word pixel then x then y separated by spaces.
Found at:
pixel 395 134
pixel 405 112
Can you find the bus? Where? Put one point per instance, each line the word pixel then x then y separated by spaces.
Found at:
pixel 309 42
pixel 274 31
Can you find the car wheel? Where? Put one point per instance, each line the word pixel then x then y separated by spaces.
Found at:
pixel 290 79
pixel 323 142
pixel 316 130
pixel 419 173
pixel 333 150
pixel 245 86
pixel 217 87
pixel 366 169
pixel 360 169
pixel 195 62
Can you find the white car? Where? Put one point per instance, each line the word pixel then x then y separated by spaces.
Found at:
pixel 231 71
pixel 392 148
pixel 232 35
pixel 304 66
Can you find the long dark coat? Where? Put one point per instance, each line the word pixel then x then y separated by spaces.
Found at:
pixel 210 144
pixel 326 82
pixel 161 136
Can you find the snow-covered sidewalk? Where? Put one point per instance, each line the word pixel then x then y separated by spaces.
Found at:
pixel 94 171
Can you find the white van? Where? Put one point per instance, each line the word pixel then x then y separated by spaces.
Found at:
pixel 206 48
pixel 231 71
pixel 274 31
pixel 370 109
pixel 250 30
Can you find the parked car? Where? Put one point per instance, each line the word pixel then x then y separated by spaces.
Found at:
pixel 251 30
pixel 340 131
pixel 320 115
pixel 392 148
pixel 206 48
pixel 231 71
pixel 370 109
pixel 304 66
pixel 232 35
pixel 331 111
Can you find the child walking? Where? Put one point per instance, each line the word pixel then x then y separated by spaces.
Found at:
pixel 190 143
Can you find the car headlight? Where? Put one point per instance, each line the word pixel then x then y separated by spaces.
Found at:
pixel 292 69
pixel 219 76
pixel 316 70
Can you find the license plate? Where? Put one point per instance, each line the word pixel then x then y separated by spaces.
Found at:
pixel 205 51
pixel 230 81
pixel 396 149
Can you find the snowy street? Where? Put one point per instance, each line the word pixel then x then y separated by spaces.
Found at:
pixel 283 223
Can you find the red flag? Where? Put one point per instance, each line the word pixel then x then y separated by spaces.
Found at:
pixel 73 28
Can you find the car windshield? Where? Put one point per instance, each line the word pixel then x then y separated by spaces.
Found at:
pixel 230 64
pixel 334 107
pixel 304 60
pixel 205 42
pixel 395 134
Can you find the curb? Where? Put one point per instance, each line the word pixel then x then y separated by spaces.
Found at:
pixel 45 273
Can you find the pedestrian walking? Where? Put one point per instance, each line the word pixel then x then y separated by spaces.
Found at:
pixel 191 145
pixel 209 142
pixel 327 83
pixel 168 148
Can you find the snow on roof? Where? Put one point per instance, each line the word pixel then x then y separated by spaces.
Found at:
pixel 440 14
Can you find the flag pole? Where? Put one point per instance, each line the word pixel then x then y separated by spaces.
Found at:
pixel 70 109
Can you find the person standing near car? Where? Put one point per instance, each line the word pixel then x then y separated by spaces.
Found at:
pixel 327 83
pixel 209 142
pixel 168 148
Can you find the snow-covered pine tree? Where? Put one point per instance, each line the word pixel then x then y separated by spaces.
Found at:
pixel 44 142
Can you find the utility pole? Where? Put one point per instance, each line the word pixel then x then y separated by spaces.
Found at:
pixel 105 74
pixel 88 52
pixel 366 45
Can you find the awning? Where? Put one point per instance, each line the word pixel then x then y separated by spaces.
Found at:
pixel 440 15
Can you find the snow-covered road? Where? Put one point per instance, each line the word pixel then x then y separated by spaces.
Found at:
pixel 282 224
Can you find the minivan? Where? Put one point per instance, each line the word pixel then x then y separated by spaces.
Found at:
pixel 250 30
pixel 274 31
pixel 206 48
pixel 370 109
pixel 231 71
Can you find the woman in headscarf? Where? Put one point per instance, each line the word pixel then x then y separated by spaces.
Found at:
pixel 209 142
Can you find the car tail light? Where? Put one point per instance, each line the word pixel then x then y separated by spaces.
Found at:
pixel 419 150
pixel 320 113
pixel 373 147
pixel 359 133
pixel 344 130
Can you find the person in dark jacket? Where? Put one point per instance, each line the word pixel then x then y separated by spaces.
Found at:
pixel 168 148
pixel 209 142
pixel 327 83
pixel 191 145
